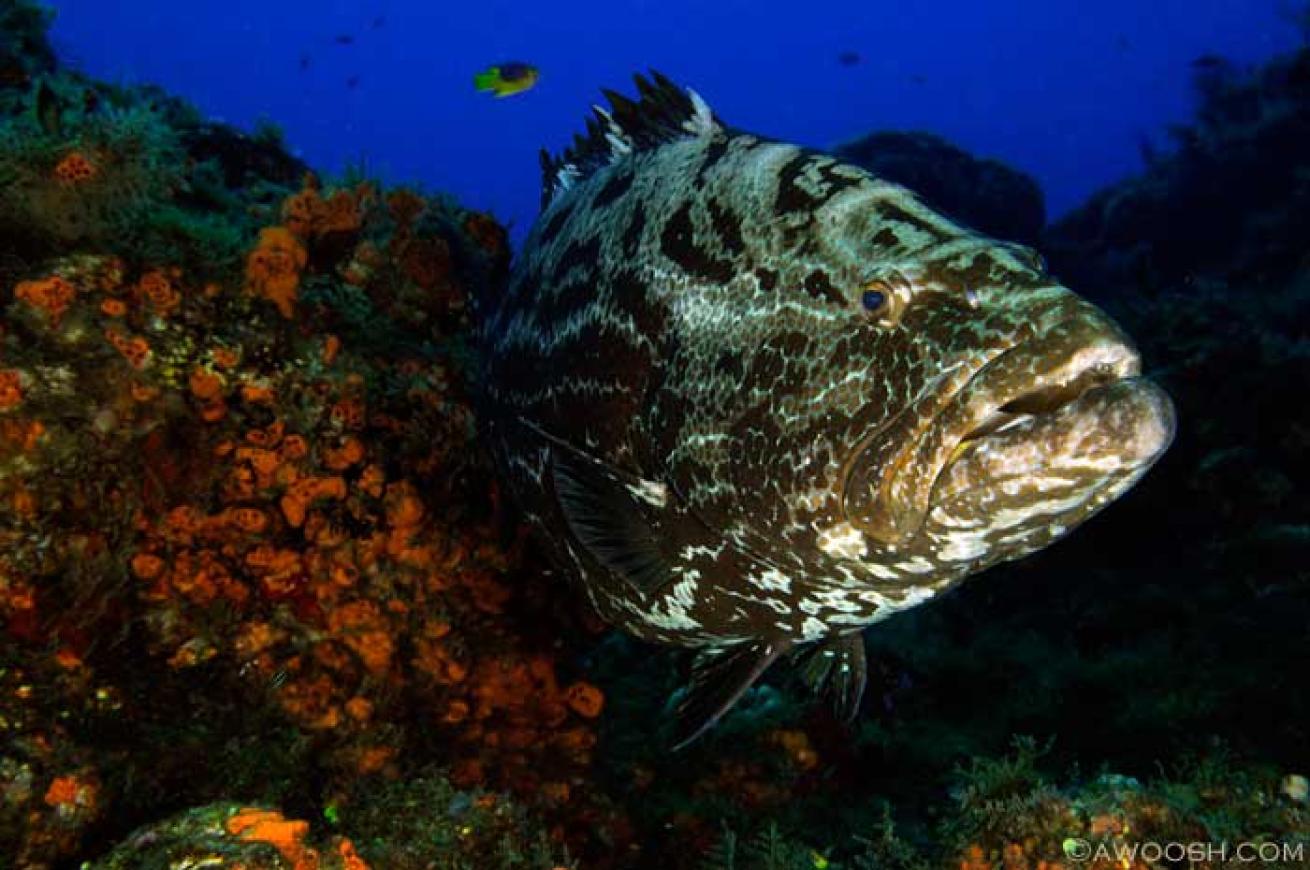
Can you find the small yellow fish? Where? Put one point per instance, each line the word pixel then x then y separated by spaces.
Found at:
pixel 507 79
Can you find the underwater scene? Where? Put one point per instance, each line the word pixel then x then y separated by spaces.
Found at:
pixel 696 435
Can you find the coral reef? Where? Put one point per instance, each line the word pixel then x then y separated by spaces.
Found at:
pixel 985 194
pixel 229 835
pixel 257 582
pixel 1229 201
pixel 424 823
pixel 1006 814
pixel 237 476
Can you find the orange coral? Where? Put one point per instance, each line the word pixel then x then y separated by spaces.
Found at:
pixel 24 502
pixel 483 229
pixel 293 448
pixel 797 746
pixel 113 307
pixel 331 345
pixel 404 509
pixel 256 394
pixel 350 860
pixel 205 384
pixel 975 858
pixel 11 389
pixel 157 289
pixel 285 835
pixel 249 520
pixel 24 434
pixel 147 566
pixel 362 628
pixel 213 410
pixel 349 413
pixel 427 261
pixel 255 637
pixel 273 268
pixel 52 295
pixel 405 206
pixel 63 790
pixel 135 349
pixel 71 794
pixel 295 503
pixel 308 214
pixel 585 699
pixel 74 168
pixel 371 480
pixel 224 357
pixel 349 453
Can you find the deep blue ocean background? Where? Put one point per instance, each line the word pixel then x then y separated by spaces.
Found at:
pixel 1065 90
pixel 265 600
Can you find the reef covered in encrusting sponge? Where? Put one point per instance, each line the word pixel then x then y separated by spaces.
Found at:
pixel 249 552
pixel 261 605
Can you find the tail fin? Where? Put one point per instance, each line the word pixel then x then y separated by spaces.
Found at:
pixel 486 81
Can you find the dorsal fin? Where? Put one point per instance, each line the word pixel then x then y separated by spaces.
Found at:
pixel 662 112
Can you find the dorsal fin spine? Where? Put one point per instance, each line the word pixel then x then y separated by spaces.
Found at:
pixel 662 113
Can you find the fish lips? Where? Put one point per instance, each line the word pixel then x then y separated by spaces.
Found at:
pixel 1049 393
pixel 1104 439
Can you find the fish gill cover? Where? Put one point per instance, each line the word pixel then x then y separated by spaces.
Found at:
pixel 264 603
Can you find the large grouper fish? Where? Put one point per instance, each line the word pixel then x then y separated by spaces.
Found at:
pixel 757 399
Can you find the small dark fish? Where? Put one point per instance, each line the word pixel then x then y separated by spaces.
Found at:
pixel 849 58
pixel 344 39
pixel 1210 62
pixel 1122 44
pixel 919 79
pixel 306 62
pixel 352 82
pixel 378 22
pixel 756 399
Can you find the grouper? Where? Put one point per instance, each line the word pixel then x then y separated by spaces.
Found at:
pixel 756 399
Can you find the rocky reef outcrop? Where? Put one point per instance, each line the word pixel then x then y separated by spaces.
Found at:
pixel 984 194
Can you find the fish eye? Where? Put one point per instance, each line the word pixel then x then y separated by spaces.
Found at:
pixel 873 300
pixel 882 297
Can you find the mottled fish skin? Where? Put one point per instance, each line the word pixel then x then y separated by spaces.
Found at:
pixel 688 316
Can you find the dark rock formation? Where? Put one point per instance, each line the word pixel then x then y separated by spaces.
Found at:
pixel 985 194
pixel 1231 202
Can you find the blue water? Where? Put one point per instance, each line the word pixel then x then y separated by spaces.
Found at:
pixel 1063 89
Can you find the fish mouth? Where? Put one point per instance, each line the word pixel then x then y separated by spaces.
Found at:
pixel 1071 395
pixel 992 410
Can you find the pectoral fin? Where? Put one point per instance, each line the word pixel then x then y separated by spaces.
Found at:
pixel 718 679
pixel 617 519
pixel 837 670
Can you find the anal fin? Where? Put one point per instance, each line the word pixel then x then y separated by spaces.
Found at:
pixel 838 670
pixel 718 679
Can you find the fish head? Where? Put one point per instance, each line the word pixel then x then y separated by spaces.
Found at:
pixel 918 393
pixel 1018 409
